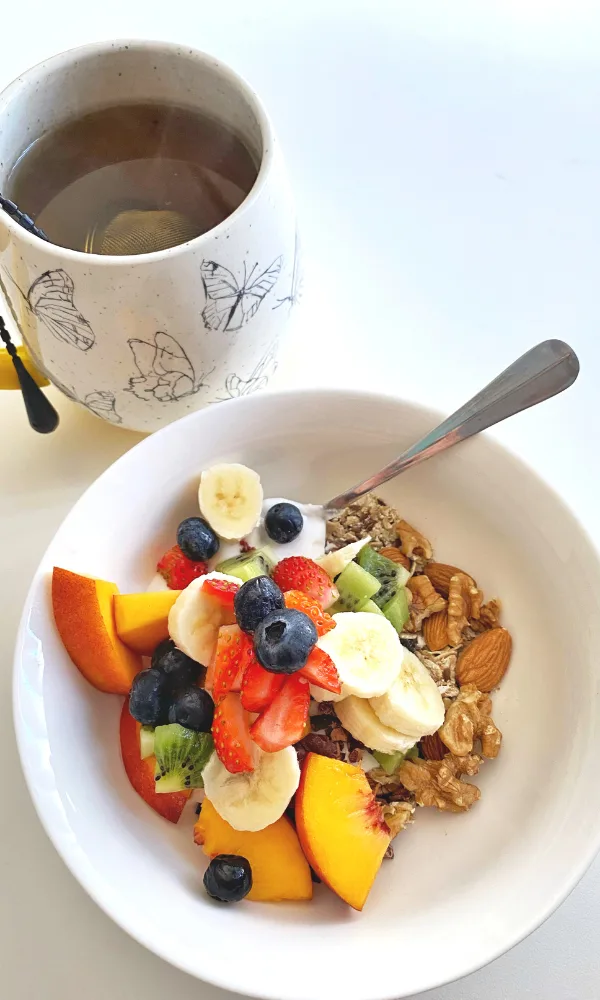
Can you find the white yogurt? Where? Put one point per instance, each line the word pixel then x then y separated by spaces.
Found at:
pixel 310 542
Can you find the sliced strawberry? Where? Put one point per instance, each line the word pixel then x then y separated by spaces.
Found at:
pixel 233 653
pixel 320 669
pixel 259 687
pixel 177 570
pixel 300 573
pixel 283 722
pixel 232 736
pixel 222 590
pixel 302 602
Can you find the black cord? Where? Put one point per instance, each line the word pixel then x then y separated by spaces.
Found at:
pixel 24 220
pixel 42 415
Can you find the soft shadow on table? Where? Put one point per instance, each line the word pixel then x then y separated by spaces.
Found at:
pixel 79 450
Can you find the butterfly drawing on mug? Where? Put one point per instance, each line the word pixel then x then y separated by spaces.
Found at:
pixel 165 371
pixel 231 303
pixel 297 280
pixel 236 386
pixel 101 402
pixel 50 299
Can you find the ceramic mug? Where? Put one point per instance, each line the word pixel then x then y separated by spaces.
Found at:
pixel 141 340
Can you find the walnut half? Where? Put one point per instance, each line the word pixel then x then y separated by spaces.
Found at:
pixel 437 782
pixel 425 601
pixel 468 719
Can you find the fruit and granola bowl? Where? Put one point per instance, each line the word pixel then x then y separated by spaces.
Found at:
pixel 239 720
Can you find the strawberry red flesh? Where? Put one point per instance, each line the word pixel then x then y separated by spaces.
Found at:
pixel 222 590
pixel 177 570
pixel 300 573
pixel 322 671
pixel 232 654
pixel 232 736
pixel 302 602
pixel 283 722
pixel 259 687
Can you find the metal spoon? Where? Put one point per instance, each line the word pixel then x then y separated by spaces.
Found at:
pixel 543 372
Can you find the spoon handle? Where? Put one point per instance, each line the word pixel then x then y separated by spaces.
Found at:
pixel 539 374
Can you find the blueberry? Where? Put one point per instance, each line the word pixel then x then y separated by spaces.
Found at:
pixel 149 697
pixel 283 522
pixel 180 669
pixel 193 709
pixel 228 878
pixel 283 641
pixel 197 540
pixel 255 600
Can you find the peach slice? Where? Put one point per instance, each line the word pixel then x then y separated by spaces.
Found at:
pixel 142 619
pixel 141 772
pixel 84 616
pixel 340 826
pixel 279 868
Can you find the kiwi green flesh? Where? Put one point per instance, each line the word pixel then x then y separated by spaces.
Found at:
pixel 181 756
pixel 371 607
pixel 391 575
pixel 355 587
pixel 396 610
pixel 146 742
pixel 247 566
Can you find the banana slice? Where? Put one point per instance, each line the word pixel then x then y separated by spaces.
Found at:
pixel 357 716
pixel 413 703
pixel 334 562
pixel 366 651
pixel 254 800
pixel 230 498
pixel 195 619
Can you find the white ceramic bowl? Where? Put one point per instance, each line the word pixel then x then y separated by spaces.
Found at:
pixel 462 889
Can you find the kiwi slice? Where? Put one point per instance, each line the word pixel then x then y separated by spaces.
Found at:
pixel 396 610
pixel 391 575
pixel 355 587
pixel 371 607
pixel 146 742
pixel 390 762
pixel 247 566
pixel 181 756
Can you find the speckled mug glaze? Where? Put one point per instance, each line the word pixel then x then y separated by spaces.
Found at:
pixel 143 340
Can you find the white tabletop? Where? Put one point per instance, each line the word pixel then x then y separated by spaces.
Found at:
pixel 446 159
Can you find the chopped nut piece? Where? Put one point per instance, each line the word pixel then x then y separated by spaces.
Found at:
pixel 338 735
pixel 489 616
pixel 425 601
pixel 412 542
pixel 397 815
pixel 433 748
pixel 464 601
pixel 437 782
pixel 394 553
pixel 369 515
pixel 442 667
pixel 355 756
pixel 468 719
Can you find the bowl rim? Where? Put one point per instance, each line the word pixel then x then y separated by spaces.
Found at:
pixel 73 859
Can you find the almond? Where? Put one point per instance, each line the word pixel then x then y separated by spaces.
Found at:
pixel 485 660
pixel 435 632
pixel 433 748
pixel 440 575
pixel 395 555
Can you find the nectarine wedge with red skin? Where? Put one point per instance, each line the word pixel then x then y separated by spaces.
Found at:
pixel 141 772
pixel 279 868
pixel 84 616
pixel 340 827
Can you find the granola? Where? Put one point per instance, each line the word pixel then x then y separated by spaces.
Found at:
pixel 369 515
